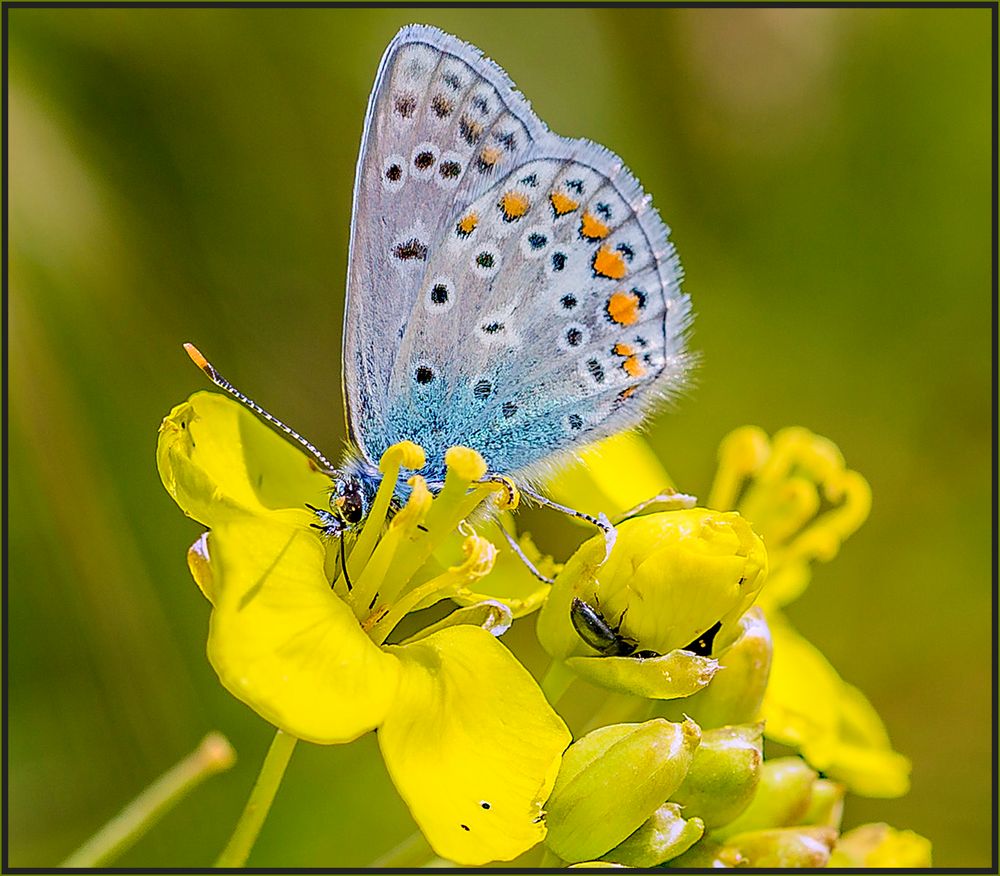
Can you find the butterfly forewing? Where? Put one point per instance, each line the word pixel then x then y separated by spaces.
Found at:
pixel 529 306
pixel 443 124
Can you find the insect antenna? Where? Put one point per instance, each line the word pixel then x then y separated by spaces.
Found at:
pixel 326 467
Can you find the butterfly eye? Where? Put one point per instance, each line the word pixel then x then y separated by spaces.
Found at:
pixel 350 501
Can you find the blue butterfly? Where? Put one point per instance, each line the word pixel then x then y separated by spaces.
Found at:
pixel 509 290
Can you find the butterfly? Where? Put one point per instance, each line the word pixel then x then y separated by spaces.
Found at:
pixel 508 290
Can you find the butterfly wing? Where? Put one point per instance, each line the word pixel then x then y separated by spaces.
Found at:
pixel 442 124
pixel 545 311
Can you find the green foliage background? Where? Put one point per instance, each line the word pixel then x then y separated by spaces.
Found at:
pixel 186 175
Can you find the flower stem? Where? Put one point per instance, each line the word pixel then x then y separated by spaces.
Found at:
pixel 213 755
pixel 557 680
pixel 238 848
pixel 409 853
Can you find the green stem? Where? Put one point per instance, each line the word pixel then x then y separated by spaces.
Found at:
pixel 557 680
pixel 213 755
pixel 409 853
pixel 244 836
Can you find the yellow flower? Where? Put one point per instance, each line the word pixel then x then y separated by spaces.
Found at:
pixel 467 737
pixel 670 579
pixel 798 495
pixel 878 845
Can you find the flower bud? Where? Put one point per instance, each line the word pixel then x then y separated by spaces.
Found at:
pixel 672 580
pixel 724 774
pixel 708 855
pixel 826 806
pixel 785 847
pixel 612 780
pixel 782 797
pixel 736 691
pixel 664 835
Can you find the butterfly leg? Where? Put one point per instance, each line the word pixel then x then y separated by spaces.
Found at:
pixel 673 500
pixel 516 548
pixel 600 521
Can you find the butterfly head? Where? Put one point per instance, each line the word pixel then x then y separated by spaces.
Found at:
pixel 347 501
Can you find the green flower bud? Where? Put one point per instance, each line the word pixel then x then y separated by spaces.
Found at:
pixel 664 835
pixel 785 847
pixel 826 806
pixel 736 691
pixel 612 780
pixel 708 855
pixel 782 797
pixel 724 774
pixel 878 845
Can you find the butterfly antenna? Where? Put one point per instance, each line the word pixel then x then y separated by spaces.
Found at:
pixel 326 466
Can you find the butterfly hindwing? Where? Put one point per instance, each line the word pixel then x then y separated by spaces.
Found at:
pixel 535 304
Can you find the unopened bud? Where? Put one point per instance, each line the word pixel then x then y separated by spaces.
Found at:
pixel 782 797
pixel 785 847
pixel 612 780
pixel 664 835
pixel 826 806
pixel 724 774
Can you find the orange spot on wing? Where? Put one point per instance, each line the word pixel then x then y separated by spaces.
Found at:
pixel 562 203
pixel 514 205
pixel 633 367
pixel 467 224
pixel 593 228
pixel 623 350
pixel 609 263
pixel 490 155
pixel 623 308
pixel 628 392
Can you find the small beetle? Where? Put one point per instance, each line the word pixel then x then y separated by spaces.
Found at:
pixel 595 630
pixel 592 627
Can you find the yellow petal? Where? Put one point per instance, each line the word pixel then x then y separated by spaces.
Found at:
pixel 472 746
pixel 878 845
pixel 737 689
pixel 284 643
pixel 199 564
pixel 675 674
pixel 809 707
pixel 612 476
pixel 492 616
pixel 218 461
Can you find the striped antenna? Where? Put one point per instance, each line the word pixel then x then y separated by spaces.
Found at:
pixel 326 467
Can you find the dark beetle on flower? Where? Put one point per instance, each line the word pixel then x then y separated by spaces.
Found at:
pixel 595 630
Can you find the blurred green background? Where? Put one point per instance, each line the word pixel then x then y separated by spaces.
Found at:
pixel 186 175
